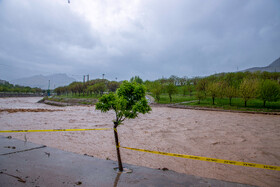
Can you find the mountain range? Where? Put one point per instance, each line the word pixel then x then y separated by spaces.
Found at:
pixel 273 67
pixel 42 81
pixel 57 80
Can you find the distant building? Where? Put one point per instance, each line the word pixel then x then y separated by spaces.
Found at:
pixel 3 82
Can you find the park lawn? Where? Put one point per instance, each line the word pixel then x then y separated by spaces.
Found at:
pixel 93 96
pixel 238 104
pixel 176 98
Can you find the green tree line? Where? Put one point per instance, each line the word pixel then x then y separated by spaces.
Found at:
pixel 96 87
pixel 7 87
pixel 245 85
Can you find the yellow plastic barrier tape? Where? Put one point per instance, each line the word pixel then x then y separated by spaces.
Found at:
pixel 53 130
pixel 247 164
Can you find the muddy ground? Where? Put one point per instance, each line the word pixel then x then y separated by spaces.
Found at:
pixel 234 136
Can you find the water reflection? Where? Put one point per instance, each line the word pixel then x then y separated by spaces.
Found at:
pixel 117 179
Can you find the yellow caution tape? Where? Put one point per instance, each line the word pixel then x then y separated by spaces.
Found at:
pixel 247 164
pixel 53 130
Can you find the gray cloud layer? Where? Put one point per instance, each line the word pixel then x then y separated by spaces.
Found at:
pixel 150 38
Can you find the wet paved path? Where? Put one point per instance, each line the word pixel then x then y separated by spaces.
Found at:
pixel 28 164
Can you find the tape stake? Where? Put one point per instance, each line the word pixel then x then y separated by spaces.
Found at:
pixel 231 162
pixel 52 130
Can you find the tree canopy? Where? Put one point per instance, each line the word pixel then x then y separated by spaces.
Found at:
pixel 136 79
pixel 269 91
pixel 171 89
pixel 248 88
pixel 127 102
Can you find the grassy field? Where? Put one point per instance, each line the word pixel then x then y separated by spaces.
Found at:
pixel 79 97
pixel 236 103
pixel 177 98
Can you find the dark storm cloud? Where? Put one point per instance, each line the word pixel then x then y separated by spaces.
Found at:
pixel 41 37
pixel 218 35
pixel 151 38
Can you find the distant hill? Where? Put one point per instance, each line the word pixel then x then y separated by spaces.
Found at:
pixel 42 81
pixel 273 67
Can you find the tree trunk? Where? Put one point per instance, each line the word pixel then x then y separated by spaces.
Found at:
pixel 213 100
pixel 118 147
pixel 230 101
pixel 264 103
pixel 245 103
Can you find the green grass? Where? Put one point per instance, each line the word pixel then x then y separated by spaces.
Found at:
pixel 238 104
pixel 78 97
pixel 223 103
pixel 176 98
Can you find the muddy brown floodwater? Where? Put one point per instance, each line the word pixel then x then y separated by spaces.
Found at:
pixel 233 136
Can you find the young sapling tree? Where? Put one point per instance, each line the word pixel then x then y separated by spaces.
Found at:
pixel 128 102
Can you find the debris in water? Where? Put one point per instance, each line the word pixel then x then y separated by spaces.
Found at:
pixel 18 178
pixel 10 147
pixel 163 169
pixel 78 183
pixel 49 154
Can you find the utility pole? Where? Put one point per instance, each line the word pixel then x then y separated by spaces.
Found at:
pixel 48 91
pixel 84 79
pixel 88 78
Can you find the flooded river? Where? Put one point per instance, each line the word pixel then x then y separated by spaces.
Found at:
pixel 234 136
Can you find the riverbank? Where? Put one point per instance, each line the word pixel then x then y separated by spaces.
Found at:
pixel 10 94
pixel 65 101
pixel 218 109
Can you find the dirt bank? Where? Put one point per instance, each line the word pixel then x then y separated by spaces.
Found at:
pixel 233 136
pixel 12 110
pixel 58 101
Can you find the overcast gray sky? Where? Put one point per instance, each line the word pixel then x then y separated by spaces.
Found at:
pixel 149 38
